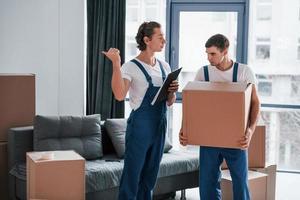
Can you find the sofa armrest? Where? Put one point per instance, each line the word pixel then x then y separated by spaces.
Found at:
pixel 20 141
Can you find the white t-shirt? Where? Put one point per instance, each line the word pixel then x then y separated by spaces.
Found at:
pixel 138 82
pixel 245 74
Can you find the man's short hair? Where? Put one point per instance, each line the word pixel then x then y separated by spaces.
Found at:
pixel 220 41
pixel 146 29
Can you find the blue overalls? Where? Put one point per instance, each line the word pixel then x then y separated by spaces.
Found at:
pixel 145 138
pixel 211 159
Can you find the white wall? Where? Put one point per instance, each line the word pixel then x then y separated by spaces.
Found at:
pixel 46 37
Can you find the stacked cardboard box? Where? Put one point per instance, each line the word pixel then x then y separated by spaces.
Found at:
pixel 3 171
pixel 257 185
pixel 60 176
pixel 256 150
pixel 17 108
pixel 270 170
pixel 256 162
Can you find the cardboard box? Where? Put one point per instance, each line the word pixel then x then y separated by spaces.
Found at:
pixel 3 171
pixel 257 185
pixel 257 149
pixel 271 180
pixel 17 105
pixel 215 114
pixel 61 177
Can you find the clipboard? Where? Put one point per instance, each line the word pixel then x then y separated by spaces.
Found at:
pixel 162 93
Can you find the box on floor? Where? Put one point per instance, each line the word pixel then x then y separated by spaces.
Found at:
pixel 270 170
pixel 61 177
pixel 257 185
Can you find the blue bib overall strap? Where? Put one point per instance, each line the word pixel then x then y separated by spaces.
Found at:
pixel 211 159
pixel 144 144
pixel 234 75
pixel 235 72
pixel 162 70
pixel 206 77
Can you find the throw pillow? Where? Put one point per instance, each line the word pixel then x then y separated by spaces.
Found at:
pixel 116 129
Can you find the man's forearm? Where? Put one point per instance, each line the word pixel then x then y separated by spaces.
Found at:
pixel 117 83
pixel 254 115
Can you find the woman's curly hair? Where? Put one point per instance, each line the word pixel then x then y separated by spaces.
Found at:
pixel 146 29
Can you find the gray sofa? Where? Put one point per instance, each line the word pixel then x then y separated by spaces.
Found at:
pixel 102 145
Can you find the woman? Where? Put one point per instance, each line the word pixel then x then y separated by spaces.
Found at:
pixel 146 126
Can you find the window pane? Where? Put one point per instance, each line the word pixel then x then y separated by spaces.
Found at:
pixel 275 53
pixel 151 2
pixel 265 88
pixel 264 12
pixel 283 138
pixel 138 12
pixel 151 14
pixel 295 90
pixel 264 1
pixel 192 39
pixel 131 49
pixel 132 2
pixel 262 51
pixel 278 76
pixel 132 14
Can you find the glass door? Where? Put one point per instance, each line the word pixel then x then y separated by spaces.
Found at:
pixel 189 25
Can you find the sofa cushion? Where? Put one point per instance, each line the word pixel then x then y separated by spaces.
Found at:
pixel 79 133
pixel 105 173
pixel 102 174
pixel 116 129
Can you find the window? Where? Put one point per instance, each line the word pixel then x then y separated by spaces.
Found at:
pixel 264 10
pixel 264 1
pixel 299 11
pixel 151 2
pixel 274 56
pixel 265 88
pixel 132 2
pixel 262 51
pixel 132 14
pixel 295 87
pixel 137 12
pixel 277 82
pixel 151 12
pixel 263 48
pixel 131 49
pixel 264 85
pixel 298 50
pixel 221 17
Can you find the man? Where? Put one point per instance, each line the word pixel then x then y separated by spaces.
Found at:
pixel 146 126
pixel 223 69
